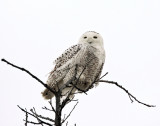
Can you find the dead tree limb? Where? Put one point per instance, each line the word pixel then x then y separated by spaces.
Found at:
pixel 58 94
pixel 35 116
pixel 129 94
pixel 28 72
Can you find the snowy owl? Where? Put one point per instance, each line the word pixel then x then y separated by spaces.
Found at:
pixel 84 61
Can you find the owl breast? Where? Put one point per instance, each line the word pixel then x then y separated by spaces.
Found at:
pixel 89 67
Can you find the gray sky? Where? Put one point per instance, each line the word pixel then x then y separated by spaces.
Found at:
pixel 34 32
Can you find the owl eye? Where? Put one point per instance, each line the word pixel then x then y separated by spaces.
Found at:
pixel 85 37
pixel 95 37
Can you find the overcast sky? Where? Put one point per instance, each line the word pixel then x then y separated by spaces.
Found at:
pixel 35 32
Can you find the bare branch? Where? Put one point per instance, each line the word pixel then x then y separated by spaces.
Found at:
pixel 70 113
pixel 47 108
pixel 129 94
pixel 67 123
pixel 50 102
pixel 41 121
pixel 25 111
pixel 35 123
pixel 40 116
pixel 102 76
pixel 28 72
pixel 34 112
pixel 75 85
pixel 130 99
pixel 26 118
pixel 95 80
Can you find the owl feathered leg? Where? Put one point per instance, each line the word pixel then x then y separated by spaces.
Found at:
pixel 47 94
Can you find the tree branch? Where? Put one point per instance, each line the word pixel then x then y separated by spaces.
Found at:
pixel 28 72
pixel 69 113
pixel 34 112
pixel 129 94
pixel 35 116
pixel 26 118
pixel 40 116
pixel 32 122
pixel 53 109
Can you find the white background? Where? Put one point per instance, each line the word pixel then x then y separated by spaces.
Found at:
pixel 35 32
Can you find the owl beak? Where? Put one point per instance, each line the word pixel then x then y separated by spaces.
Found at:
pixel 90 40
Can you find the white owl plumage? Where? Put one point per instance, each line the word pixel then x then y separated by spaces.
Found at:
pixel 84 61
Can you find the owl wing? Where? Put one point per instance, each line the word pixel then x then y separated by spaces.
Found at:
pixel 68 56
pixel 64 63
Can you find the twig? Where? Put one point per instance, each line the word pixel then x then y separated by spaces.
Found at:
pixel 26 118
pixel 34 112
pixel 50 102
pixel 130 98
pixel 33 122
pixel 40 116
pixel 67 123
pixel 41 121
pixel 95 80
pixel 70 113
pixel 25 111
pixel 47 108
pixel 129 94
pixel 75 85
pixel 102 76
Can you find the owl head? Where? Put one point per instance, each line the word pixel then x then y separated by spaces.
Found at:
pixel 91 38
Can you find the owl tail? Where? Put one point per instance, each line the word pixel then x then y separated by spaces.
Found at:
pixel 47 94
